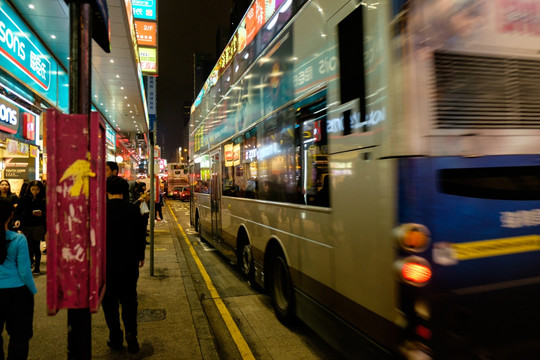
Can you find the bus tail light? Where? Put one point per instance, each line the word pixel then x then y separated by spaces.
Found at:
pixel 414 270
pixel 413 238
pixel 423 332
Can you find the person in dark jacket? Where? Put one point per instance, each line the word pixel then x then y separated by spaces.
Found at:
pixel 159 206
pixel 111 168
pixel 30 216
pixel 5 192
pixel 126 243
pixel 143 196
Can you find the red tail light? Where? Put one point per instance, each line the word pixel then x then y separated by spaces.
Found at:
pixel 416 272
pixel 423 332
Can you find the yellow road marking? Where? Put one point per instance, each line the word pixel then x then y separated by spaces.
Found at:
pixel 241 344
pixel 496 247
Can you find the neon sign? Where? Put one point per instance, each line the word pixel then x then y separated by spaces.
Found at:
pixel 9 117
pixel 17 47
pixel 144 9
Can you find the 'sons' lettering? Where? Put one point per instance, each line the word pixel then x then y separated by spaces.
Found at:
pixel 11 41
pixel 8 115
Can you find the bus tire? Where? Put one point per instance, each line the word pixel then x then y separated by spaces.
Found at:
pixel 281 291
pixel 245 260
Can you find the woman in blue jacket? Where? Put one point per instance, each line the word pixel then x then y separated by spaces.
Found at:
pixel 17 288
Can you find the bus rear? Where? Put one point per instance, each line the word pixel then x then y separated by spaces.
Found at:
pixel 469 184
pixel 483 218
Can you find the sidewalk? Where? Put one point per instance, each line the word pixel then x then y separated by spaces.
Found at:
pixel 166 321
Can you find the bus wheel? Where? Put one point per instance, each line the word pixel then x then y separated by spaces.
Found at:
pixel 246 262
pixel 281 291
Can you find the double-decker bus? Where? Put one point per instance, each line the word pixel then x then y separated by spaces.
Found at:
pixel 375 166
pixel 177 175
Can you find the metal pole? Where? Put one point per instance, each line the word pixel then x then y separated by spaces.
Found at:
pixel 80 22
pixel 152 203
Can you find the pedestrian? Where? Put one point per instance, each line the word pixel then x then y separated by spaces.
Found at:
pixel 142 200
pixel 17 288
pixel 24 187
pixel 30 216
pixel 125 248
pixel 5 192
pixel 159 206
pixel 111 168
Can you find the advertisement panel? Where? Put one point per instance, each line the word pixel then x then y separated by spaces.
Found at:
pixel 146 32
pixel 29 126
pixel 110 138
pixel 148 60
pixel 16 168
pixel 255 19
pixel 151 94
pixel 144 9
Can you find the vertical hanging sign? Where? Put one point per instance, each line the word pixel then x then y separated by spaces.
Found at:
pixel 151 97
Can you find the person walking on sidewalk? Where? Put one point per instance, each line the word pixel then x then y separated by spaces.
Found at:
pixel 126 243
pixel 142 201
pixel 30 215
pixel 17 288
pixel 159 206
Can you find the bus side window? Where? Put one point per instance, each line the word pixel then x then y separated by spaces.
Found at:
pixel 351 61
pixel 276 158
pixel 312 153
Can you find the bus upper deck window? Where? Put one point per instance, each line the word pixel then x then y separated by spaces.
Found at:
pixel 351 55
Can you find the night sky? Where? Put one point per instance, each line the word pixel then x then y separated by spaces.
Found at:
pixel 183 27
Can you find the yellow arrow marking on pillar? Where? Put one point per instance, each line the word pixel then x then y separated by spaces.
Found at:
pixel 80 172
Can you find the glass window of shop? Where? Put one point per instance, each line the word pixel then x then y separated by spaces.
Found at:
pixel 20 158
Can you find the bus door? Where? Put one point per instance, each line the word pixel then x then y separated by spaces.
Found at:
pixel 215 196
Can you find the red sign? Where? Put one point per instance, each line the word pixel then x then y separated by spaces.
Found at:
pixel 146 33
pixel 29 126
pixel 76 207
pixel 255 19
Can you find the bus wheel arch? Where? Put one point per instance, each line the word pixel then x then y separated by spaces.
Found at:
pixel 279 284
pixel 197 222
pixel 244 255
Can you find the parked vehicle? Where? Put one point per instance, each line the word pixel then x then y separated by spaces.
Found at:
pixel 181 193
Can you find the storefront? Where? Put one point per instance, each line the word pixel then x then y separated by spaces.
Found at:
pixel 31 81
pixel 21 157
